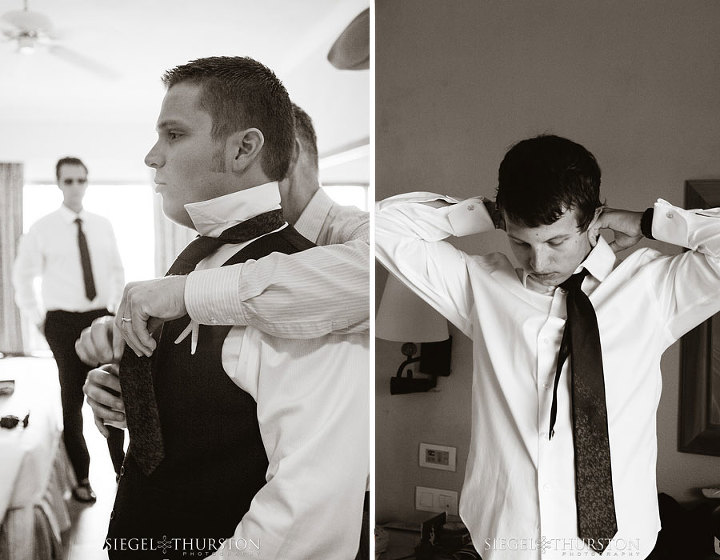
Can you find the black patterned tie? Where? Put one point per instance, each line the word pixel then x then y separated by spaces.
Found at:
pixel 90 291
pixel 597 524
pixel 141 412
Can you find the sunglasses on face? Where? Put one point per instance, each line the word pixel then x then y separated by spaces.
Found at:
pixel 11 422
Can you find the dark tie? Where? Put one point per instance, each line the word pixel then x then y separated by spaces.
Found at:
pixel 597 524
pixel 90 291
pixel 141 412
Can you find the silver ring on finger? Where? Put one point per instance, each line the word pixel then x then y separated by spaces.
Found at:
pixel 125 320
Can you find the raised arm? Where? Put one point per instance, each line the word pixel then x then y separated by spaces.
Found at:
pixel 409 230
pixel 272 294
pixel 689 288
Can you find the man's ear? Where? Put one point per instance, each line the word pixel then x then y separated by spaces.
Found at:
pixel 243 149
pixel 594 227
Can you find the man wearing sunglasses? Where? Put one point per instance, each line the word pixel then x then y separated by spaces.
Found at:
pixel 75 255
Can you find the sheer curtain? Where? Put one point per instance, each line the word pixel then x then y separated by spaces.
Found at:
pixel 11 212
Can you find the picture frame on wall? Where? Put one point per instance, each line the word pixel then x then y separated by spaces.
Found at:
pixel 699 421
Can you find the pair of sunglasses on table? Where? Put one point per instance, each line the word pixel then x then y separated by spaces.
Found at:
pixel 11 421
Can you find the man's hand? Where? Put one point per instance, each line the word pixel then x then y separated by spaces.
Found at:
pixel 624 224
pixel 145 305
pixel 102 390
pixel 100 343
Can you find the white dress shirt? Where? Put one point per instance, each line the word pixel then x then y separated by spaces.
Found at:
pixel 280 293
pixel 518 497
pixel 49 250
pixel 312 407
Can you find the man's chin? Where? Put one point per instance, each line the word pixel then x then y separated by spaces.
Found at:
pixel 551 279
pixel 179 216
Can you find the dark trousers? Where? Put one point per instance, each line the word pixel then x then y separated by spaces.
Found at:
pixel 62 329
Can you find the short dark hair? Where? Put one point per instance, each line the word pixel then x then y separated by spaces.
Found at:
pixel 240 92
pixel 542 177
pixel 68 161
pixel 305 131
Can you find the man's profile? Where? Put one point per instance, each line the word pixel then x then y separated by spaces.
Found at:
pixel 230 437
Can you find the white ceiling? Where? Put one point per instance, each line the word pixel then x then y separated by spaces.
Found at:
pixel 50 106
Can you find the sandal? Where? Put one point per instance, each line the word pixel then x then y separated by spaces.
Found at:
pixel 84 493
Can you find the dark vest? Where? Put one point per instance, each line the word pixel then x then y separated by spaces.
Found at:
pixel 214 455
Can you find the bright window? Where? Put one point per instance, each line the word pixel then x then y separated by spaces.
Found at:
pixel 349 195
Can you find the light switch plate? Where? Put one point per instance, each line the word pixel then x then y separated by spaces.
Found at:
pixel 440 457
pixel 436 500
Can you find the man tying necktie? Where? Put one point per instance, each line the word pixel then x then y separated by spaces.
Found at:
pixel 229 426
pixel 75 254
pixel 567 347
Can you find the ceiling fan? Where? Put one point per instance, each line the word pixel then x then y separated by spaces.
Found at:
pixel 351 50
pixel 32 30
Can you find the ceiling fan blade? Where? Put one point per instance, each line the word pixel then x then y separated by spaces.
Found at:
pixel 83 61
pixel 23 20
pixel 351 50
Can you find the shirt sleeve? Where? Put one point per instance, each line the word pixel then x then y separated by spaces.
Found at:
pixel 313 417
pixel 304 295
pixel 409 242
pixel 28 266
pixel 688 288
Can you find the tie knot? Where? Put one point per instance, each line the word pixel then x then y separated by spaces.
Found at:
pixel 573 283
pixel 78 221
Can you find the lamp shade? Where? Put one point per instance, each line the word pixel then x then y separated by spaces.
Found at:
pixel 404 317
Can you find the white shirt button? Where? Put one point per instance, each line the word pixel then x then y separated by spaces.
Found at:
pixel 546 487
pixel 670 215
pixel 471 207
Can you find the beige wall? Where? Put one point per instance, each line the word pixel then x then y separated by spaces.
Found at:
pixel 637 83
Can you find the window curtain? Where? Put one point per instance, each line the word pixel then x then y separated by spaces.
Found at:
pixel 170 239
pixel 11 226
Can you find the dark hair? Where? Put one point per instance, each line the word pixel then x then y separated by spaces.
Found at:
pixel 305 131
pixel 542 177
pixel 238 93
pixel 68 161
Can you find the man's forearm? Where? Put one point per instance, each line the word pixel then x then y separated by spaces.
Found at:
pixel 304 295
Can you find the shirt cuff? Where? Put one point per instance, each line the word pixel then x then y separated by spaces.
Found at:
pixel 470 217
pixel 669 224
pixel 212 296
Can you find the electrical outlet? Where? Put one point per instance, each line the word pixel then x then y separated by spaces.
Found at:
pixel 440 457
pixel 436 500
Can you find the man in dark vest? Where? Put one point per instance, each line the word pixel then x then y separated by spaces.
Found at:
pixel 236 436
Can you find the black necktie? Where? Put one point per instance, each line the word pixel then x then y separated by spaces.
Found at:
pixel 141 412
pixel 597 524
pixel 90 291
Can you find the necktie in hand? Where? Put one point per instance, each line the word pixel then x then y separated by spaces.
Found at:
pixel 597 523
pixel 90 291
pixel 136 384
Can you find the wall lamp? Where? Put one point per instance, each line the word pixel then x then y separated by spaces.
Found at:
pixel 404 317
